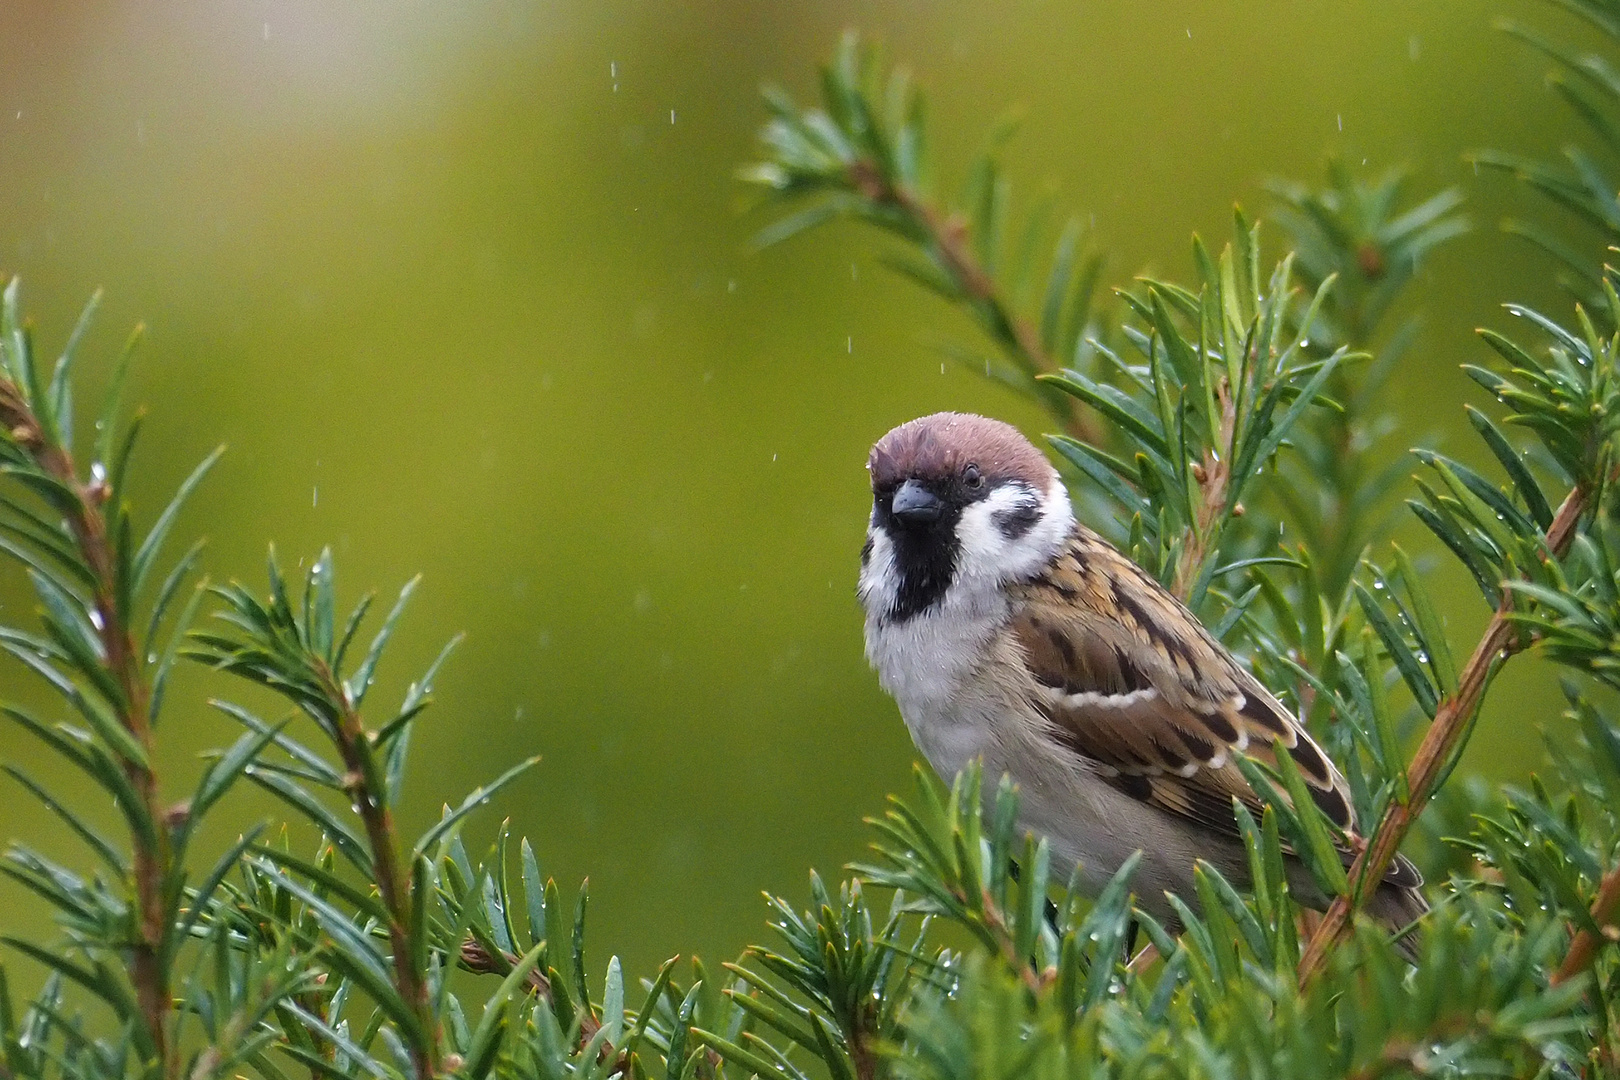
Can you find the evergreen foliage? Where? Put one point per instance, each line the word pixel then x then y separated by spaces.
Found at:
pixel 1200 422
pixel 1583 183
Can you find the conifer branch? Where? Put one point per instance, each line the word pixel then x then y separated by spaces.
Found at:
pixel 301 655
pixel 153 863
pixel 1437 751
pixel 863 155
pixel 393 884
pixel 949 236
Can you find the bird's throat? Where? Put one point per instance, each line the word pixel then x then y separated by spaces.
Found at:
pixel 924 564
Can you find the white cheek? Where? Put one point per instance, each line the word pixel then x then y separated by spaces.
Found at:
pixel 989 556
pixel 880 578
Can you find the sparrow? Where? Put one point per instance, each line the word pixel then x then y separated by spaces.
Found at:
pixel 1007 631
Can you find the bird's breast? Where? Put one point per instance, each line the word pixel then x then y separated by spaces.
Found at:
pixel 924 659
pixel 933 666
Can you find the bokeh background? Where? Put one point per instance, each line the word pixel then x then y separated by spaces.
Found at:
pixel 467 289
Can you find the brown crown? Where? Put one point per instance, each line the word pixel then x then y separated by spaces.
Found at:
pixel 938 446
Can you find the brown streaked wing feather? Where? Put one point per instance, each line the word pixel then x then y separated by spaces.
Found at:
pixel 1210 805
pixel 1130 680
pixel 1208 802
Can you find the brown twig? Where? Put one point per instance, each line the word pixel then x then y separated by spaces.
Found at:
pixel 996 926
pixel 948 236
pixel 862 1056
pixel 1439 745
pixel 393 883
pixel 476 957
pixel 153 859
pixel 1584 949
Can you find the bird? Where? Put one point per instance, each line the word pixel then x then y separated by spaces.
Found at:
pixel 1007 631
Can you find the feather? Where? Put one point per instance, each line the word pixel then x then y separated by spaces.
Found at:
pixel 1129 680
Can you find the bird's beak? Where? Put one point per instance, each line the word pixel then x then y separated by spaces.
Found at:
pixel 915 505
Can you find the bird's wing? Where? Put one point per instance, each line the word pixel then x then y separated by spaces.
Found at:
pixel 1131 681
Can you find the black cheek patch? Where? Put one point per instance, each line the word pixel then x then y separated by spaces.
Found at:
pixel 1015 521
pixel 866 552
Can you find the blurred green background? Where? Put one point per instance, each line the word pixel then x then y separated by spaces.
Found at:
pixel 467 289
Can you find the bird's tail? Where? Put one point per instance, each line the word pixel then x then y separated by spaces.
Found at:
pixel 1398 906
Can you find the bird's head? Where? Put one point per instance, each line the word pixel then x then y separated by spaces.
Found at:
pixel 957 501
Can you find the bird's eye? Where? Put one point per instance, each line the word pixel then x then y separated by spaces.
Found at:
pixel 972 477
